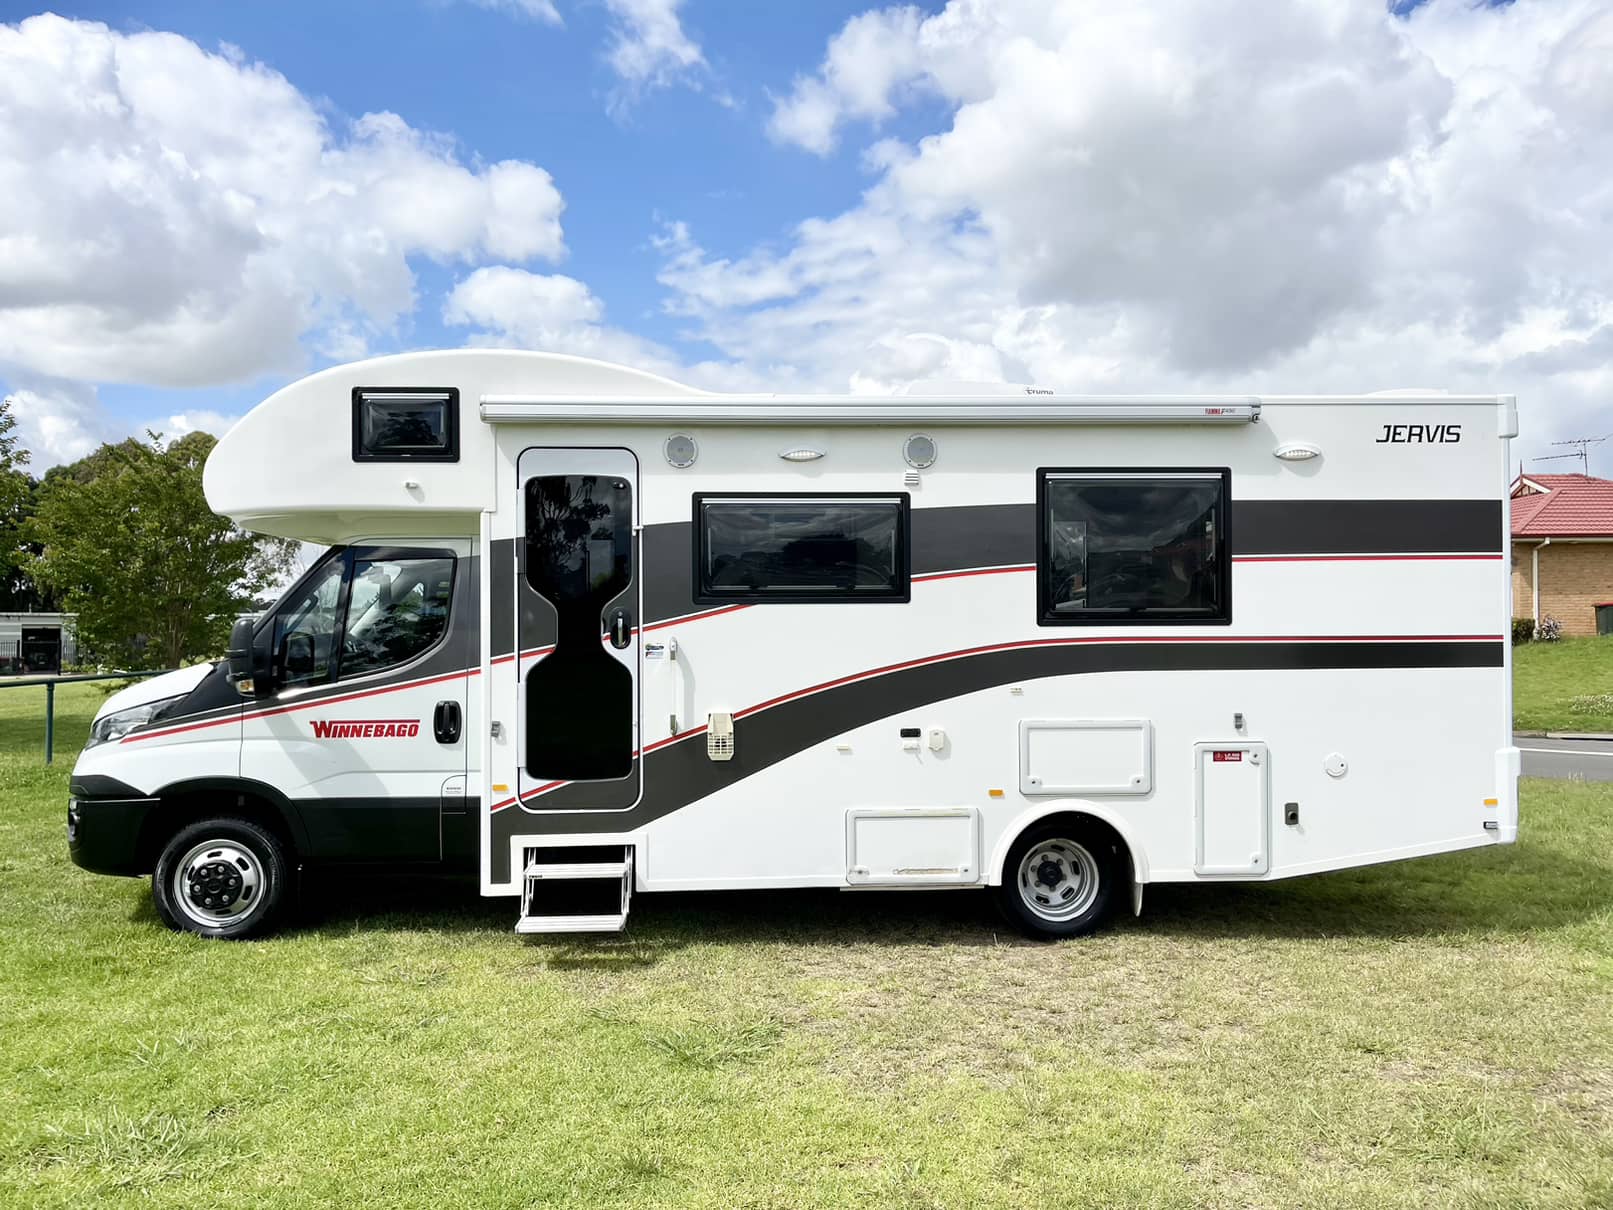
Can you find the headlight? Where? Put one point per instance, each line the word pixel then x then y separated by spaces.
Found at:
pixel 120 722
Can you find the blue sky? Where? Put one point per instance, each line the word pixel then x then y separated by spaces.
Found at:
pixel 1330 195
pixel 504 87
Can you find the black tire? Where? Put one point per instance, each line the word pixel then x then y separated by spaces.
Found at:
pixel 1072 888
pixel 237 884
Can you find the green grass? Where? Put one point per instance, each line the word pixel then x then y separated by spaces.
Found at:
pixel 1563 686
pixel 1433 1033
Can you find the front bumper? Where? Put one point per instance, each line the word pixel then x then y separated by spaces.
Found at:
pixel 103 834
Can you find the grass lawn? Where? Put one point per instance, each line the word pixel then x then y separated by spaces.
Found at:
pixel 1563 686
pixel 1434 1033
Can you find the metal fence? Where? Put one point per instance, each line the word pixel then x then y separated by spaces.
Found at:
pixel 50 684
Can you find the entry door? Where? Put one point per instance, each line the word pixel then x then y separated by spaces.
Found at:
pixel 577 605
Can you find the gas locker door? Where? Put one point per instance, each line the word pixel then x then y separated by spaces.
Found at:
pixel 1233 808
pixel 577 610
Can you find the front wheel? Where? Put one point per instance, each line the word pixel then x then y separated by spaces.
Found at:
pixel 1059 880
pixel 223 878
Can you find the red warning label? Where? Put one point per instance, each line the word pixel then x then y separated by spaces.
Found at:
pixel 1221 756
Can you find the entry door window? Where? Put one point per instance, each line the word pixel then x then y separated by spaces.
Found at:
pixel 579 558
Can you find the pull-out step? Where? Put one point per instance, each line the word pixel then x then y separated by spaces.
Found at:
pixel 588 894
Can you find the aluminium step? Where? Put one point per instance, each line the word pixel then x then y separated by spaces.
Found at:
pixel 612 923
pixel 583 869
pixel 538 910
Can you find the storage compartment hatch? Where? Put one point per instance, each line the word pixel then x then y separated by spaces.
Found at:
pixel 912 846
pixel 1086 756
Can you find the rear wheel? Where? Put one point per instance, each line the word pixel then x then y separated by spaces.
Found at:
pixel 1059 879
pixel 224 878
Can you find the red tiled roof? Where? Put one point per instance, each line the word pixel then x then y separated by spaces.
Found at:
pixel 1572 506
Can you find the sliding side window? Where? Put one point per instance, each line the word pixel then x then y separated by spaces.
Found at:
pixel 1133 546
pixel 801 548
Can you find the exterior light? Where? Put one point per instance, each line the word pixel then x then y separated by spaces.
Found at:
pixel 801 454
pixel 1297 451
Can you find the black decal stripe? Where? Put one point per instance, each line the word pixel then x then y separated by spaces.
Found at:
pixel 1340 527
pixel 966 537
pixel 974 535
pixel 679 773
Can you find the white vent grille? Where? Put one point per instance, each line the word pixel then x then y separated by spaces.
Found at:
pixel 720 736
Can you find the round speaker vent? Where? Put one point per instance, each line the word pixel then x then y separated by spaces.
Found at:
pixel 680 451
pixel 919 451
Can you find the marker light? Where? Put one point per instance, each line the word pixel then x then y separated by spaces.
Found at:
pixel 1297 451
pixel 801 455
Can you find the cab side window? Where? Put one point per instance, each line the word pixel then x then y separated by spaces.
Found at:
pixel 364 611
pixel 398 609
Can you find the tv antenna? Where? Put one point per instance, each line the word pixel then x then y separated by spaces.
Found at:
pixel 1581 451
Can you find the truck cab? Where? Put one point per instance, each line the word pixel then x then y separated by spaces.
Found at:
pixel 334 734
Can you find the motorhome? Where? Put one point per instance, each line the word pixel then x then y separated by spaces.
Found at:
pixel 588 633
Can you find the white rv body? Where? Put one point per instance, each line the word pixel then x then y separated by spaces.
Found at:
pixel 1352 706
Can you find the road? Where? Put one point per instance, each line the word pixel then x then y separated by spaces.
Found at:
pixel 1591 759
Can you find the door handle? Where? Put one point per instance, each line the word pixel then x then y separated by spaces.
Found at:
pixel 446 722
pixel 621 629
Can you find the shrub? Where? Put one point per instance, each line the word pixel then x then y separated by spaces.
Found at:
pixel 1523 629
pixel 1549 630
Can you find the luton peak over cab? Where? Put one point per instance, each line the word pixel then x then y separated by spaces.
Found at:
pixel 584 632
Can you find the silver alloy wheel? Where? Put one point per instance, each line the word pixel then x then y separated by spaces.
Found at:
pixel 217 883
pixel 1058 880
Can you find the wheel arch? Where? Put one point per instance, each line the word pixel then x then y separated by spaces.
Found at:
pixel 185 802
pixel 1085 813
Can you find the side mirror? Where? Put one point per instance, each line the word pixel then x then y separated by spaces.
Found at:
pixel 244 672
pixel 299 657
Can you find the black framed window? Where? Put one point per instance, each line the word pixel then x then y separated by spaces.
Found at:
pixel 362 610
pixel 405 425
pixel 1139 546
pixel 795 547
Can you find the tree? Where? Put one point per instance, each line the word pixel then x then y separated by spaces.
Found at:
pixel 128 543
pixel 16 494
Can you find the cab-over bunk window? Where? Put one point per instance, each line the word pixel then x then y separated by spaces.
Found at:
pixel 797 548
pixel 1133 546
pixel 405 425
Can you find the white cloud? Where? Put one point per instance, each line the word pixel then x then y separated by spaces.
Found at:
pixel 512 308
pixel 59 422
pixel 196 420
pixel 535 10
pixel 178 217
pixel 553 312
pixel 874 54
pixel 1155 197
pixel 649 48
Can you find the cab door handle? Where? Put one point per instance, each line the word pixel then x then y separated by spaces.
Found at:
pixel 446 722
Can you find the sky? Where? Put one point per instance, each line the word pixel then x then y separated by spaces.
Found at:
pixel 201 202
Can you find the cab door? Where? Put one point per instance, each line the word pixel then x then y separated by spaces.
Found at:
pixel 364 731
pixel 577 605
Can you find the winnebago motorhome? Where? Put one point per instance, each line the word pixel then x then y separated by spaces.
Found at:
pixel 588 632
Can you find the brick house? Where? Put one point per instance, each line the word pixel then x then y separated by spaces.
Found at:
pixel 1562 551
